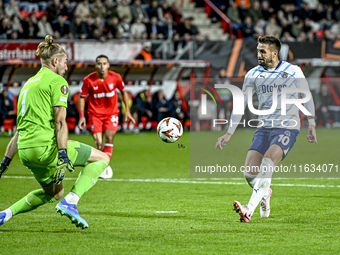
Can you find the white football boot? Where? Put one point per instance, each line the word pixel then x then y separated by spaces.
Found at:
pixel 107 174
pixel 243 211
pixel 265 205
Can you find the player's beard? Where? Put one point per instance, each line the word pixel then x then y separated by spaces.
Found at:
pixel 267 63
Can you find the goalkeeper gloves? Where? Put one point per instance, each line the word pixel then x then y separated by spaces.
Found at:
pixel 63 164
pixel 4 165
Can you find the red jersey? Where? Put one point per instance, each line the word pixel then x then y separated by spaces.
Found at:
pixel 102 95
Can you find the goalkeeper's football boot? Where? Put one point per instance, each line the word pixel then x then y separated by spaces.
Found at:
pixel 71 211
pixel 2 218
pixel 243 211
pixel 265 205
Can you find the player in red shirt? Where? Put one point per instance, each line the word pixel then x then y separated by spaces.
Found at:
pixel 100 88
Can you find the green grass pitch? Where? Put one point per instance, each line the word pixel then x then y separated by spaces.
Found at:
pixel 151 177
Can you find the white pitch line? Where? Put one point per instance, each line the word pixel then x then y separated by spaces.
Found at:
pixel 188 181
pixel 166 211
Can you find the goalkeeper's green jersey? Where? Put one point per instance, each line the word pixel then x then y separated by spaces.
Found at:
pixel 35 121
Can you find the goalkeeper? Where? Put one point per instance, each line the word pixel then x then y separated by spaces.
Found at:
pixel 41 140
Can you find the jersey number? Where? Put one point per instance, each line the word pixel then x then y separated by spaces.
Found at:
pixel 23 103
pixel 284 139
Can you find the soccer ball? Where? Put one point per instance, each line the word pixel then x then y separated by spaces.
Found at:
pixel 169 130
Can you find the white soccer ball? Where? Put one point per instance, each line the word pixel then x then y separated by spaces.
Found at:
pixel 169 130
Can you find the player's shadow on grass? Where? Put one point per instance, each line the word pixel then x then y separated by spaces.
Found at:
pixel 145 215
pixel 174 216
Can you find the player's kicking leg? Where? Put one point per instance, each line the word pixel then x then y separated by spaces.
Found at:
pixel 261 190
pixel 243 211
pixel 252 166
pixel 95 162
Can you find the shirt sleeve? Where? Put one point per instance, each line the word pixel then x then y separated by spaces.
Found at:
pixel 85 88
pixel 60 92
pixel 301 82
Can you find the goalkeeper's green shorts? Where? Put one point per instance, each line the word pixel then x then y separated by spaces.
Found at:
pixel 42 160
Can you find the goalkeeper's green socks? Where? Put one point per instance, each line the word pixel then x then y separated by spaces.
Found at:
pixel 87 178
pixel 28 203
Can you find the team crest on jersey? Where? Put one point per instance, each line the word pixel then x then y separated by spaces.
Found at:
pixel 287 133
pixel 284 75
pixel 64 89
pixel 111 86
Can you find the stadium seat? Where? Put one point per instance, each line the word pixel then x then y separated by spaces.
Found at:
pixel 75 99
pixel 8 124
pixel 71 123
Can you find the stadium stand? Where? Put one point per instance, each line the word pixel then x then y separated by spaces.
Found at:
pixel 211 19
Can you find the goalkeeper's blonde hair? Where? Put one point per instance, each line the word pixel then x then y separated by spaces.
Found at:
pixel 48 50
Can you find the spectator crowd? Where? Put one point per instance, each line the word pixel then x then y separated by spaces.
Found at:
pixel 101 20
pixel 289 20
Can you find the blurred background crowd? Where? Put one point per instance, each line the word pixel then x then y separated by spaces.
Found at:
pixel 289 20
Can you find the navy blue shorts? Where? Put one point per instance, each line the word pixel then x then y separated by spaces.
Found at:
pixel 266 137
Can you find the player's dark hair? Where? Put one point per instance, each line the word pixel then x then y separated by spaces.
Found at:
pixel 271 40
pixel 47 50
pixel 102 56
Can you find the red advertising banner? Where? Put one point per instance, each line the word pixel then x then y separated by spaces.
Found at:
pixel 26 51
